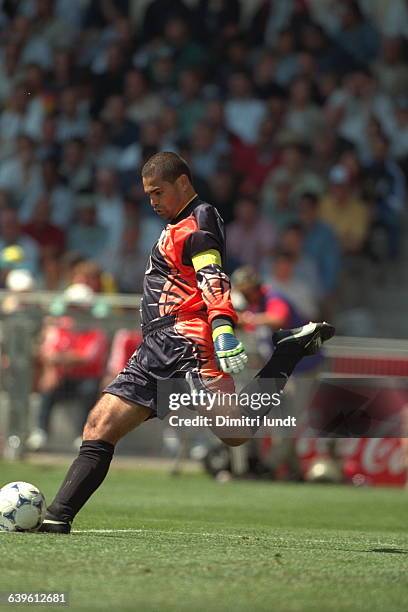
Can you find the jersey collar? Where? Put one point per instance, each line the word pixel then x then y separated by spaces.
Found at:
pixel 186 210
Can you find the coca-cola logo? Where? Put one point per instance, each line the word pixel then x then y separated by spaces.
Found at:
pixel 383 455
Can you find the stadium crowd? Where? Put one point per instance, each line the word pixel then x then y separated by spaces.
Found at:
pixel 294 119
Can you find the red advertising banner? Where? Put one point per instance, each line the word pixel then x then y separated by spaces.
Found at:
pixel 366 461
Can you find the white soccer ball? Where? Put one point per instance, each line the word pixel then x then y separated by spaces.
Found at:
pixel 22 507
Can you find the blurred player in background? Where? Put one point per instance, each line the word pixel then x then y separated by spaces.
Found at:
pixel 72 360
pixel 261 309
pixel 188 332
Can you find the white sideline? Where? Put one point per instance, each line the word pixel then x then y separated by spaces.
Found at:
pixel 231 536
pixel 161 531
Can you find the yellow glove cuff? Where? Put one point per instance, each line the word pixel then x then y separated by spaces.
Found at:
pixel 222 329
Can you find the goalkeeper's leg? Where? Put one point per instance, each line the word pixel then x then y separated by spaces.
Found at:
pixel 107 423
pixel 291 345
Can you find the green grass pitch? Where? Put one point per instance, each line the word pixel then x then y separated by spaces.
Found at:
pixel 148 541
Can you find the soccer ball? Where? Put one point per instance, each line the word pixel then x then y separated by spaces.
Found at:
pixel 22 507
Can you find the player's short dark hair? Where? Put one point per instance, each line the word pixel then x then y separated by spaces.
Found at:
pixel 166 165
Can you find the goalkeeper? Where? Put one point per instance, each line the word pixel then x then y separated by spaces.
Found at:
pixel 188 331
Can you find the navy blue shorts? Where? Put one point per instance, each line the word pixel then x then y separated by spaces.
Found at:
pixel 171 347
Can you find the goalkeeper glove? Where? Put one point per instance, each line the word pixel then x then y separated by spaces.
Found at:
pixel 229 350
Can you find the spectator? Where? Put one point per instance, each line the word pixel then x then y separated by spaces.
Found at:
pixel 170 129
pixel 250 237
pixel 18 119
pixel 12 235
pixel 63 74
pixel 242 103
pixel 157 15
pixel 293 172
pixel 350 108
pixel 142 103
pixel 236 56
pixel 132 157
pixel 292 240
pixel 391 68
pixel 21 173
pixel 352 164
pixel 122 31
pixel 320 243
pixel 109 212
pixel 9 70
pixel 215 117
pixel 75 169
pixel 386 187
pixel 59 197
pixel 303 117
pixel 328 56
pixel 222 193
pixel 187 53
pixel 129 264
pixel 269 20
pixel 161 70
pixel 288 66
pixel 400 132
pixel 72 123
pixel 256 161
pixel 101 153
pixel 189 101
pixel 216 19
pixel 121 132
pixel 99 15
pixel 34 49
pixel 346 214
pixel 265 77
pixel 324 152
pixel 87 237
pixel 47 144
pixel 391 18
pixel 294 289
pixel 358 37
pixel 49 238
pixel 284 212
pixel 49 28
pixel 40 100
pixel 206 152
pixel 110 81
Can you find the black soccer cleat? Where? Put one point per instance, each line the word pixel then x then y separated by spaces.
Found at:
pixel 54 526
pixel 310 337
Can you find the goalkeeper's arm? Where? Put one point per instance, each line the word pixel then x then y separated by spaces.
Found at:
pixel 215 287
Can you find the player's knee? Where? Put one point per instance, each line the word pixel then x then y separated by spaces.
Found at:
pixel 94 427
pixel 100 424
pixel 234 441
pixel 112 418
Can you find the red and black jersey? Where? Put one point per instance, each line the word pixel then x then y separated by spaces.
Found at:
pixel 178 307
pixel 171 285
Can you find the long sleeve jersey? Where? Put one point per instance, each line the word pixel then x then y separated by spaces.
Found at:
pixel 172 285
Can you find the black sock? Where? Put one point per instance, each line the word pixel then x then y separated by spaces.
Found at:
pixel 84 476
pixel 281 365
pixel 273 376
